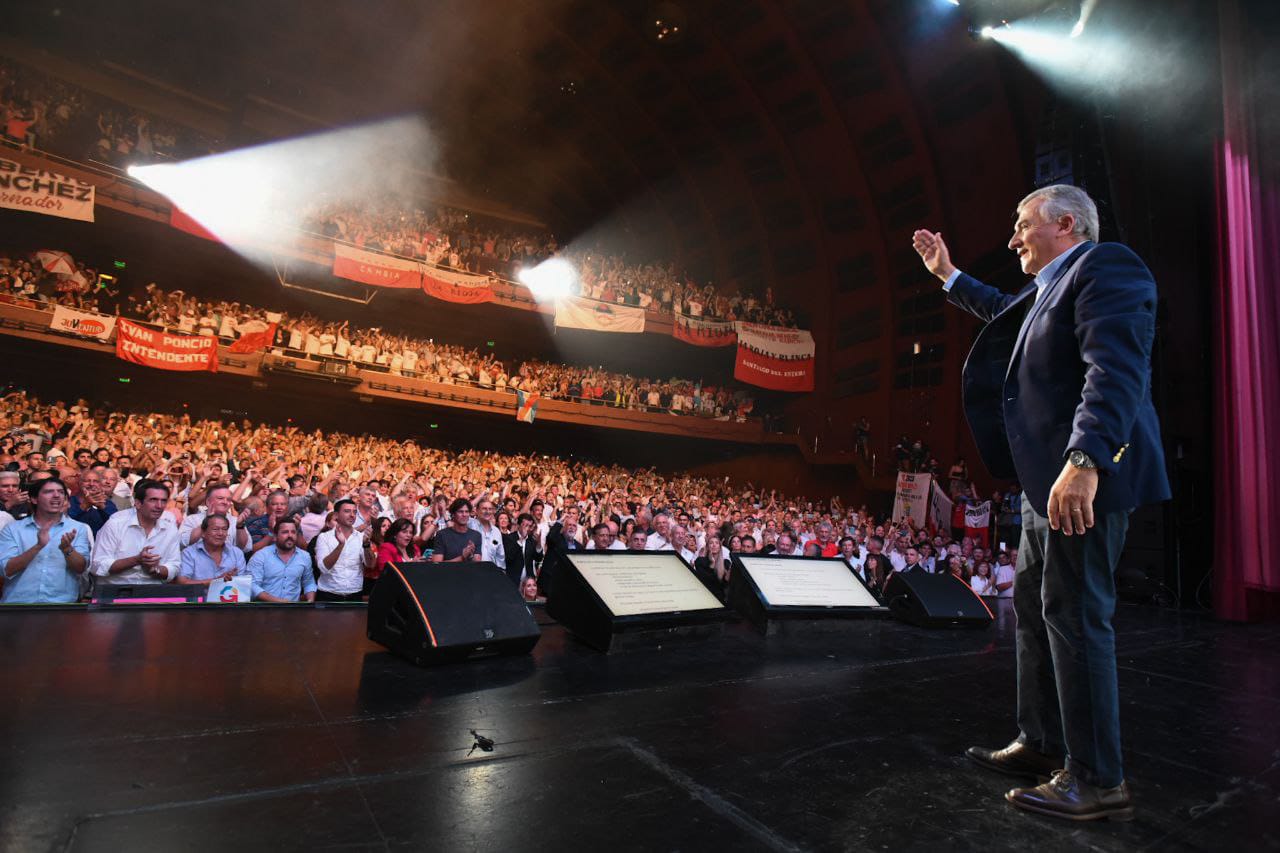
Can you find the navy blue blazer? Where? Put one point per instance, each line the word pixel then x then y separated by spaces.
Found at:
pixel 1075 375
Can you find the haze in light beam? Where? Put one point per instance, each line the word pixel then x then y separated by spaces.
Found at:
pixel 258 198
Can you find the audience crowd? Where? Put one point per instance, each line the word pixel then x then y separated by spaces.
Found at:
pixel 310 337
pixel 93 497
pixel 43 112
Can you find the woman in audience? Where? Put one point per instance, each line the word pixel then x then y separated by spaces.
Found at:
pixel 396 546
pixel 711 567
pixel 982 582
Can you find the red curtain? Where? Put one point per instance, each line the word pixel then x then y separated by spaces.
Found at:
pixel 1247 332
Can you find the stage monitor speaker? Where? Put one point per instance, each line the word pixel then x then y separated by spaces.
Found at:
pixel 935 601
pixel 628 599
pixel 446 612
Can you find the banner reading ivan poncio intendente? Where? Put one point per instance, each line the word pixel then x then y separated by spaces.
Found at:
pixel 774 357
pixel 703 333
pixel 38 191
pixel 154 348
pixel 375 268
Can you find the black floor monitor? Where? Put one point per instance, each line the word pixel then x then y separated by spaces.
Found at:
pixel 444 612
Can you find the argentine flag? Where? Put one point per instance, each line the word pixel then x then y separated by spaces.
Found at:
pixel 527 406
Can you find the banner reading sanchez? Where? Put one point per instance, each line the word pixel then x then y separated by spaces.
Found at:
pixel 774 357
pixel 38 191
pixel 154 348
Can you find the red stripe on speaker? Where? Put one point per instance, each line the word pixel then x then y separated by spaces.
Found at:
pixel 409 587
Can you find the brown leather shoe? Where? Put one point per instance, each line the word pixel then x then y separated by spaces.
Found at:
pixel 1065 796
pixel 1016 759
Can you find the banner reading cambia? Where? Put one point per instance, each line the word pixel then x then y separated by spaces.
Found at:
pixel 161 350
pixel 774 357
pixel 375 268
pixel 39 191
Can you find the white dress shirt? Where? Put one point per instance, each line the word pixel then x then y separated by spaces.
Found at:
pixel 658 542
pixel 347 574
pixel 122 536
pixel 491 548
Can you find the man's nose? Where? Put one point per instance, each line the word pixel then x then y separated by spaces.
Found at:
pixel 1014 242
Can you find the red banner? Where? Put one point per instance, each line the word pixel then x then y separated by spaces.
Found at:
pixel 375 268
pixel 254 341
pixel 154 348
pixel 182 222
pixel 703 333
pixel 452 286
pixel 778 374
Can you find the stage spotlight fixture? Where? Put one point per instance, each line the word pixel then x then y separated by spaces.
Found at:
pixel 550 280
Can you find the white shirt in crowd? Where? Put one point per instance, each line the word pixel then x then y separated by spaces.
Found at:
pixel 347 574
pixel 5 519
pixel 658 542
pixel 897 559
pixel 122 536
pixel 1004 574
pixel 491 550
pixel 192 522
pixel 688 555
pixel 981 585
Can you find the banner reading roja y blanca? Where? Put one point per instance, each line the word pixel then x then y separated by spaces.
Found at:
pixel 161 350
pixel 774 357
pixel 40 191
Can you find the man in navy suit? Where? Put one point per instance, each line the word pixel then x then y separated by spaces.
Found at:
pixel 1057 390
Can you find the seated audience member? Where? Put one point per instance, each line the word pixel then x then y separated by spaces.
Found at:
pixel 787 546
pixel 93 505
pixel 982 582
pixel 850 553
pixel 282 572
pixel 712 566
pixel 217 502
pixel 812 548
pixel 563 535
pixel 13 499
pixel 877 568
pixel 680 542
pixel 639 540
pixel 44 554
pixel 492 548
pixel 660 538
pixel 397 547
pixel 1002 576
pixel 138 545
pixel 529 589
pixel 211 558
pixel 523 556
pixel 313 521
pixel 457 542
pixel 259 527
pixel 342 555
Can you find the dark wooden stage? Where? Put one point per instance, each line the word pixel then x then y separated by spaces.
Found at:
pixel 256 728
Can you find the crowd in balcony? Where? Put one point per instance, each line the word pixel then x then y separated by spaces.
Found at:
pixel 311 337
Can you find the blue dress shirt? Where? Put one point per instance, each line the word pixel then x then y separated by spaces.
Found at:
pixel 288 580
pixel 46 579
pixel 198 563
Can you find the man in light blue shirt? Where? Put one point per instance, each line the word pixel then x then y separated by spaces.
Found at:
pixel 44 554
pixel 210 558
pixel 282 572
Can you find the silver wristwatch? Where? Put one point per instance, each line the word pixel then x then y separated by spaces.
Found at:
pixel 1080 459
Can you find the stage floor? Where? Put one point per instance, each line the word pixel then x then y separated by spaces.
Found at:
pixel 250 729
